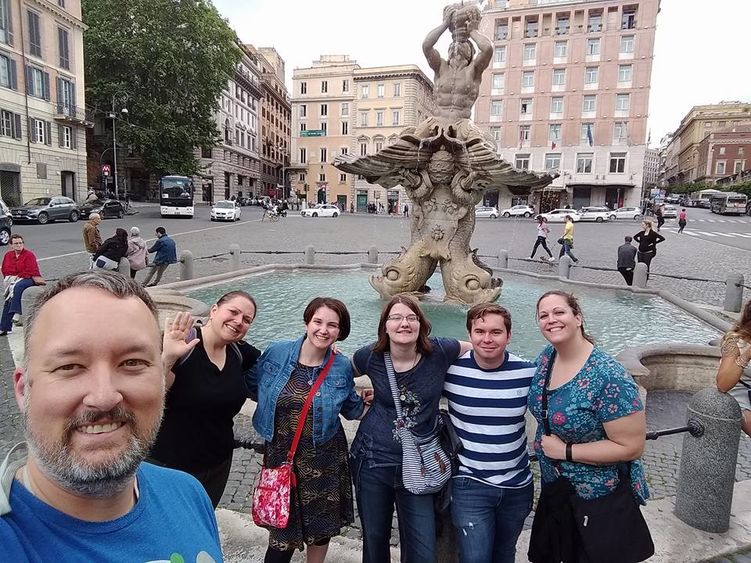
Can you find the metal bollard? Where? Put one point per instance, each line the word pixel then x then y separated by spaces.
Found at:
pixel 186 265
pixel 734 293
pixel 124 267
pixel 564 266
pixel 640 275
pixel 503 258
pixel 707 474
pixel 234 251
pixel 310 254
pixel 28 297
pixel 372 255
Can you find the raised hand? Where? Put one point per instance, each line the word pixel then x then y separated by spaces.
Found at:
pixel 175 343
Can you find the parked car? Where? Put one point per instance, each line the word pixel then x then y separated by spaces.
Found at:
pixel 6 222
pixel 321 210
pixel 105 207
pixel 596 214
pixel 669 212
pixel 559 215
pixel 46 209
pixel 628 213
pixel 518 211
pixel 5 210
pixel 225 210
pixel 482 211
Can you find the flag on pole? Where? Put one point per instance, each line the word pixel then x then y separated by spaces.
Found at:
pixel 553 145
pixel 589 134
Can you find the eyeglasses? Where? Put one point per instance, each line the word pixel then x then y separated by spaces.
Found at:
pixel 399 318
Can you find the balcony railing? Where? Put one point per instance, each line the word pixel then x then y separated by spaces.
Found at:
pixel 72 114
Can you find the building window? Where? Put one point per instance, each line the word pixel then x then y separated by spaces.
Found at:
pixel 556 105
pixel 561 49
pixel 324 110
pixel 595 22
pixel 8 72
pixel 559 77
pixel 523 133
pixel 205 152
pixel 324 86
pixel 37 83
pixel 522 161
pixel 501 30
pixel 624 73
pixel 303 87
pixel 35 34
pixel 622 102
pixel 562 25
pixel 40 131
pixel 495 132
pixel 589 104
pixel 364 92
pixel 397 89
pixel 378 146
pixel 552 161
pixel 345 109
pixel 322 177
pixel 363 149
pixel 528 79
pixel 530 51
pixel 345 86
pixel 737 166
pixel 324 154
pixel 344 150
pixel 627 44
pixel 395 117
pixel 593 47
pixel 531 28
pixel 6 31
pixel 628 19
pixel 584 163
pixel 554 133
pixel 10 124
pixel 303 155
pixel 66 137
pixel 379 118
pixel 342 178
pixel 381 90
pixel 66 97
pixel 499 81
pixel 496 108
pixel 363 119
pixel 591 75
pixel 617 162
pixel 620 131
pixel 303 126
pixel 63 48
pixel 526 106
pixel 499 55
pixel 303 110
pixel 345 127
pixel 586 133
pixel 720 168
pixel 324 127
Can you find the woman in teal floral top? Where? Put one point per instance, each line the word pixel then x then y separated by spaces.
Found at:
pixel 596 417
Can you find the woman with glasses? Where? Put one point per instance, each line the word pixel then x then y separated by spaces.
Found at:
pixel 20 271
pixel 420 364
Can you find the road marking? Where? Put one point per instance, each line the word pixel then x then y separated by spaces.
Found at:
pixel 707 234
pixel 731 235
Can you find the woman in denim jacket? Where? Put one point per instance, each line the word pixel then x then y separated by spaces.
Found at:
pixel 321 501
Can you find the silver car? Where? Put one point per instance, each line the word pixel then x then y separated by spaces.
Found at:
pixel 45 209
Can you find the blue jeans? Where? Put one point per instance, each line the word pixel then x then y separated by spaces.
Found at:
pixel 13 305
pixel 377 489
pixel 566 248
pixel 488 520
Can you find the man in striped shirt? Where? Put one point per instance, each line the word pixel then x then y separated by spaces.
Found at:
pixel 487 393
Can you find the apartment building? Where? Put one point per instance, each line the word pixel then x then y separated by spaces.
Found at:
pixel 568 90
pixel 722 153
pixel 233 166
pixel 683 150
pixel 387 99
pixel 651 173
pixel 42 117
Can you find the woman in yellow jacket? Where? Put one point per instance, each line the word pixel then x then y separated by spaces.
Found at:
pixel 567 240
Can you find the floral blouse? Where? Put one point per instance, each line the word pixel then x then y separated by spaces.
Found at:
pixel 602 391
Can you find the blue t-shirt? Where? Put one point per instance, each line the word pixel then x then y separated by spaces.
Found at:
pixel 602 391
pixel 420 390
pixel 172 521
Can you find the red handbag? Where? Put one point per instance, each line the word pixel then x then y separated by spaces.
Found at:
pixel 271 499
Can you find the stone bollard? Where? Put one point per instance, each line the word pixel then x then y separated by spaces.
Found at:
pixel 564 266
pixel 310 254
pixel 707 474
pixel 734 293
pixel 234 251
pixel 186 265
pixel 28 297
pixel 503 259
pixel 641 273
pixel 124 267
pixel 372 255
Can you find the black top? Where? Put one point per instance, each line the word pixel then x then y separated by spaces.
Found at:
pixel 197 430
pixel 648 242
pixel 112 249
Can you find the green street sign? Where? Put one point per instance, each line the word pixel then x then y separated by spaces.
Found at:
pixel 313 133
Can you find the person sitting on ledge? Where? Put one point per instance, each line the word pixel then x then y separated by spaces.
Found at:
pixel 734 373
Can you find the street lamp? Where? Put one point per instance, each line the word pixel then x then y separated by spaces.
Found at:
pixel 113 116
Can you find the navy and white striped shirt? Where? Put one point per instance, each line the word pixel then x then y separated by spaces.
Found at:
pixel 487 409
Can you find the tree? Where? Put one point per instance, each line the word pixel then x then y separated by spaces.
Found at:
pixel 168 60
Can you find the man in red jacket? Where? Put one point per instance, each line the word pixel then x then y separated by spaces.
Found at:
pixel 20 270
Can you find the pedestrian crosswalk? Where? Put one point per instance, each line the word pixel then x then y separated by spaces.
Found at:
pixel 710 234
pixel 746 221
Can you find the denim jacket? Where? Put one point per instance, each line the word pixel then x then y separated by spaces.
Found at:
pixel 336 395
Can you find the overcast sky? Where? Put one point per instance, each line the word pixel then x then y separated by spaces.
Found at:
pixel 701 49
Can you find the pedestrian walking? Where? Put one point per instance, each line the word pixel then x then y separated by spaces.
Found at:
pixel 542 238
pixel 648 240
pixel 626 260
pixel 682 220
pixel 114 249
pixel 166 254
pixel 406 210
pixel 92 238
pixel 660 214
pixel 20 271
pixel 567 240
pixel 137 255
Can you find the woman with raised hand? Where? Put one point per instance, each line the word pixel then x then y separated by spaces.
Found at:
pixel 282 379
pixel 734 373
pixel 591 421
pixel 419 363
pixel 205 390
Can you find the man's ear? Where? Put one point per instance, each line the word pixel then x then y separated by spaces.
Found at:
pixel 19 378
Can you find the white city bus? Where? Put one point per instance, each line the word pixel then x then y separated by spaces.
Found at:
pixel 729 203
pixel 176 196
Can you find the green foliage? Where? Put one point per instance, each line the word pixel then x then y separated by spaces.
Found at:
pixel 167 60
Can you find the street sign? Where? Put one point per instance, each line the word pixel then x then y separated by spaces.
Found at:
pixel 106 169
pixel 313 133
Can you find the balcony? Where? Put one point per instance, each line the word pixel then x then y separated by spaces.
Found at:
pixel 70 114
pixel 246 79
